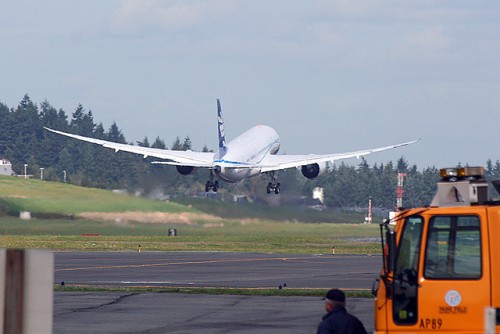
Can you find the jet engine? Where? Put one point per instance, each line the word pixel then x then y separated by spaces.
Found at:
pixel 312 171
pixel 186 170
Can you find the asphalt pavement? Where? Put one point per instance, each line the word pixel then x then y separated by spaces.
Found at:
pixel 128 312
pixel 155 313
pixel 216 269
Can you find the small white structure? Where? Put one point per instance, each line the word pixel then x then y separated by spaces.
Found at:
pixel 5 167
pixel 25 215
pixel 319 194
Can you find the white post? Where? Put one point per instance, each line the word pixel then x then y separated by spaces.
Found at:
pixel 26 291
pixel 490 315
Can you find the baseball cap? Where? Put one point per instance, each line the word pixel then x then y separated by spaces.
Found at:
pixel 335 295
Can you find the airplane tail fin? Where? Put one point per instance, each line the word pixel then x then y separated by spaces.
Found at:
pixel 220 127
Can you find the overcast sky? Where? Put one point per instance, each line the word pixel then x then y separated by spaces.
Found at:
pixel 329 76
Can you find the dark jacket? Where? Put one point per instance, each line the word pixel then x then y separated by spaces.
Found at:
pixel 339 321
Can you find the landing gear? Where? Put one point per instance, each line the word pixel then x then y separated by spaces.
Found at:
pixel 273 186
pixel 211 184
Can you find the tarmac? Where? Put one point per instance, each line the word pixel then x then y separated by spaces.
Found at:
pixel 130 312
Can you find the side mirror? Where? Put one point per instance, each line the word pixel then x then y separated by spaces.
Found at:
pixel 375 287
pixel 390 237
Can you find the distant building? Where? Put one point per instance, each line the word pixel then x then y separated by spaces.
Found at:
pixel 5 167
pixel 319 194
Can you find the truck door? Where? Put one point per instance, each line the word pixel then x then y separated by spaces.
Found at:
pixel 454 285
pixel 405 293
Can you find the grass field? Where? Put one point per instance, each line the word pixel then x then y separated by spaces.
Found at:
pixel 211 226
pixel 60 198
pixel 259 236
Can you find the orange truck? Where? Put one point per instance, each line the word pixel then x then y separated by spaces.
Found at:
pixel 441 268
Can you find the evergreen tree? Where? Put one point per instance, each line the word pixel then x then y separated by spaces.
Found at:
pixel 144 142
pixel 51 144
pixel 489 170
pixel 115 134
pixel 82 123
pixel 186 145
pixel 99 132
pixel 176 145
pixel 159 143
pixel 338 186
pixel 5 126
pixel 402 165
pixel 387 188
pixel 25 132
pixel 364 184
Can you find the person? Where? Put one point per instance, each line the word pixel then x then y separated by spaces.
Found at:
pixel 337 320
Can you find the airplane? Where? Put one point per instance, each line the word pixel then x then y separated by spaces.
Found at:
pixel 252 153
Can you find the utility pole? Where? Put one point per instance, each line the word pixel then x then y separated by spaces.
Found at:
pixel 400 191
pixel 368 219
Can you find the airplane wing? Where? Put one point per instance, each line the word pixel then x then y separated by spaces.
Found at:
pixel 278 162
pixel 176 158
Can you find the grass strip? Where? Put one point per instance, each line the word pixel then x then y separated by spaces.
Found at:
pixel 263 244
pixel 306 292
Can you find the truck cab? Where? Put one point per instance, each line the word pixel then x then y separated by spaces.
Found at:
pixel 441 268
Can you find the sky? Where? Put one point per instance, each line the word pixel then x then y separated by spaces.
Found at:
pixel 329 76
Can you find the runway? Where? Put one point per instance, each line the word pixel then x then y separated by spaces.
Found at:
pixel 216 269
pixel 126 312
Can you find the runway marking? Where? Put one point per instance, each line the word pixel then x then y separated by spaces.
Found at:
pixel 142 282
pixel 181 263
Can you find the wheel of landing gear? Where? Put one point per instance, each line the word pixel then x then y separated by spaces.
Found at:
pixel 269 186
pixel 215 186
pixel 277 189
pixel 207 186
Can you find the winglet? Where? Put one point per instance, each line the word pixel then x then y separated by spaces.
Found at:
pixel 220 127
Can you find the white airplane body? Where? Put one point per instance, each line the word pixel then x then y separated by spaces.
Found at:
pixel 252 153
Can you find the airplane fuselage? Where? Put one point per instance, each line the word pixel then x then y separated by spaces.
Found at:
pixel 248 149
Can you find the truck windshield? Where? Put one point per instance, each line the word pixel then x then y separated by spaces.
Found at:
pixel 409 248
pixel 453 249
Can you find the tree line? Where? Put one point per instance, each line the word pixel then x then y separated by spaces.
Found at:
pixel 23 141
